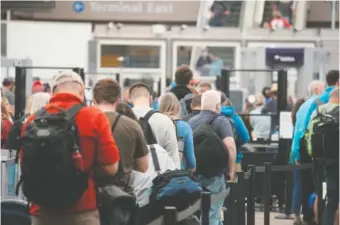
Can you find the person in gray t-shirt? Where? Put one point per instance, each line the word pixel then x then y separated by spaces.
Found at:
pixel 8 91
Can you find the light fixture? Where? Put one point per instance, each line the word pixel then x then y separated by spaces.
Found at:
pixel 119 26
pixel 183 27
pixel 120 58
pixel 109 25
pixel 158 29
pixel 206 27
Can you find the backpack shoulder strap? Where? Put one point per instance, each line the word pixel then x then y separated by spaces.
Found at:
pixel 148 134
pixel 155 158
pixel 115 122
pixel 213 119
pixel 148 115
pixel 73 110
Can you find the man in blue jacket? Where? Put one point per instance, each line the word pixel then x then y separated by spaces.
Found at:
pixel 303 116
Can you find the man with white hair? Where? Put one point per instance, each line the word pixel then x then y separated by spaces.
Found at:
pixel 96 144
pixel 210 114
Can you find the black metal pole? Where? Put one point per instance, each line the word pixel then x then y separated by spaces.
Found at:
pixel 282 91
pixel 81 72
pixel 170 216
pixel 205 207
pixel 267 191
pixel 20 92
pixel 241 208
pixel 229 216
pixel 223 83
pixel 118 77
pixel 250 197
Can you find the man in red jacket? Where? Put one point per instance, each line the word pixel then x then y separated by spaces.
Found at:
pixel 94 135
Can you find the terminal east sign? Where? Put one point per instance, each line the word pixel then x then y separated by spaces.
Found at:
pixel 130 11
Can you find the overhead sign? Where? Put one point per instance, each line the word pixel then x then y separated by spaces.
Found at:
pixel 139 11
pixel 293 57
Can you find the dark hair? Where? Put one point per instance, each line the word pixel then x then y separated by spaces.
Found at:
pixel 196 101
pixel 332 77
pixel 106 90
pixel 8 81
pixel 47 87
pixel 295 108
pixel 265 92
pixel 183 75
pixel 139 85
pixel 124 109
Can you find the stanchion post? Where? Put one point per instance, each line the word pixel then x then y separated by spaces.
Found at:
pixel 118 77
pixel 267 191
pixel 205 207
pixel 20 92
pixel 229 217
pixel 170 215
pixel 250 197
pixel 241 199
pixel 224 84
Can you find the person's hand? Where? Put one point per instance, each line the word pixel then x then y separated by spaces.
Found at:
pixel 297 162
pixel 232 176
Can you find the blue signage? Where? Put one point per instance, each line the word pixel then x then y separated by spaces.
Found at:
pixel 78 6
pixel 293 57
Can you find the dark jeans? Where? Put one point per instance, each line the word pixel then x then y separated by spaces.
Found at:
pixel 332 180
pixel 307 185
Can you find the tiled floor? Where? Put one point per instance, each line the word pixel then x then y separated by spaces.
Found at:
pixel 259 219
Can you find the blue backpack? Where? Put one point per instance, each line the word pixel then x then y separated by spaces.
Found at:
pixel 178 188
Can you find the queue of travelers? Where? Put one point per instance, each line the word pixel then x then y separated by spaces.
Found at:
pixel 123 143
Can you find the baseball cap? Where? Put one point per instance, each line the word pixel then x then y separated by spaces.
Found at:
pixel 64 77
pixel 8 81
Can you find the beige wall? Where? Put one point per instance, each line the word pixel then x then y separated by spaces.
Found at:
pixel 142 11
pixel 320 11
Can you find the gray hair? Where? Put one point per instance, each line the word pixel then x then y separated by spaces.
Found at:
pixel 313 86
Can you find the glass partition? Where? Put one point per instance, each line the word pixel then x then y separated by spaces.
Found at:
pixel 206 59
pixel 129 56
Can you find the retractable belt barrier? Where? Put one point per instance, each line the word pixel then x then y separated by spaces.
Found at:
pixel 268 169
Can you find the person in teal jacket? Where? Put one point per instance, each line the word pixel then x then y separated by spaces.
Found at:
pixel 298 153
pixel 240 130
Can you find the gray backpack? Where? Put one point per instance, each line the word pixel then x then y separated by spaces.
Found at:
pixel 185 104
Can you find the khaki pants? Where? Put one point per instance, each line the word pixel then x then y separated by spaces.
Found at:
pixel 81 218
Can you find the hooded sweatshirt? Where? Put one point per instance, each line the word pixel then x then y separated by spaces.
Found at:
pixel 239 126
pixel 180 91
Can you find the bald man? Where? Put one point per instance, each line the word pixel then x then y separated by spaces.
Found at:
pixel 210 114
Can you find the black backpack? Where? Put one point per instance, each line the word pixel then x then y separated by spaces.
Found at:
pixel 325 135
pixel 210 151
pixel 50 176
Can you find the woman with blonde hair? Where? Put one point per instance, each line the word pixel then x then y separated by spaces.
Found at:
pixel 6 121
pixel 169 105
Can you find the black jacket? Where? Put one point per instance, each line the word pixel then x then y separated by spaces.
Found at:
pixel 180 91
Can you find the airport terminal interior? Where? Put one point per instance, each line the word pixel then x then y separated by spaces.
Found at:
pixel 273 65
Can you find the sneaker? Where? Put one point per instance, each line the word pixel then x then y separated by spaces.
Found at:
pixel 297 221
